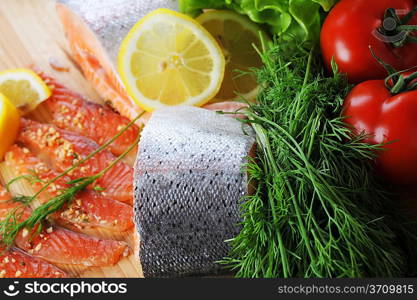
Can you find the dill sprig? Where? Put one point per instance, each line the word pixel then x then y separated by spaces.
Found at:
pixel 10 226
pixel 317 210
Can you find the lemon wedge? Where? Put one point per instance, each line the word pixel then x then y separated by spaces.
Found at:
pixel 9 124
pixel 24 88
pixel 169 59
pixel 237 36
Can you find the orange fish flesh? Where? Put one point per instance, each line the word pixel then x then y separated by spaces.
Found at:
pixel 14 263
pixel 62 149
pixel 89 210
pixel 62 246
pixel 70 111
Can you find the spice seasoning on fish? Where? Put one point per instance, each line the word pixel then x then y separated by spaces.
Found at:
pixel 71 111
pixel 11 226
pixel 84 211
pixel 70 149
pixel 16 263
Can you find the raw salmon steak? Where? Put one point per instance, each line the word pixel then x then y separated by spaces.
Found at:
pixel 59 245
pixel 71 111
pixel 62 149
pixel 89 210
pixel 14 263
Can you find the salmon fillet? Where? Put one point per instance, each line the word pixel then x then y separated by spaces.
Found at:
pixel 71 111
pixel 89 210
pixel 14 263
pixel 62 149
pixel 95 64
pixel 62 246
pixel 58 245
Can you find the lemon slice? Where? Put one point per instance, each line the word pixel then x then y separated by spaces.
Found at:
pixel 170 59
pixel 9 124
pixel 237 36
pixel 24 88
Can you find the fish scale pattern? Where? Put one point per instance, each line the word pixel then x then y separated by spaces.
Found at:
pixel 189 180
pixel 111 20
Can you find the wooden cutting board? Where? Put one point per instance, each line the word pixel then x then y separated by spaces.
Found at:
pixel 31 34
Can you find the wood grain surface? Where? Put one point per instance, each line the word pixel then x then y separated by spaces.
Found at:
pixel 31 34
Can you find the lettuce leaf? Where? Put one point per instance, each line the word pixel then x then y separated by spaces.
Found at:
pixel 290 19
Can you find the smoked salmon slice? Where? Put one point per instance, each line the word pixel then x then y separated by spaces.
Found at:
pixel 89 210
pixel 62 149
pixel 70 111
pixel 62 246
pixel 14 263
pixel 59 245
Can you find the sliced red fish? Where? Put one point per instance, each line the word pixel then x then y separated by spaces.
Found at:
pixel 71 111
pixel 14 263
pixel 62 149
pixel 89 210
pixel 58 245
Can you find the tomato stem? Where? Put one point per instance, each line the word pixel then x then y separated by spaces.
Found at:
pixel 397 82
pixel 395 30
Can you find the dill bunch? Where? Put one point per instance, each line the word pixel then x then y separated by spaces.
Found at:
pixel 317 210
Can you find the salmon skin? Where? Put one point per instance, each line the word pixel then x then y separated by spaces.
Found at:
pixel 70 111
pixel 59 245
pixel 189 182
pixel 14 263
pixel 62 149
pixel 95 30
pixel 89 210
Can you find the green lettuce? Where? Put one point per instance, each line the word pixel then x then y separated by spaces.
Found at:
pixel 290 19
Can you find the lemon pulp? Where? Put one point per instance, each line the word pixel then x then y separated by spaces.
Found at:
pixel 170 59
pixel 9 124
pixel 237 36
pixel 24 88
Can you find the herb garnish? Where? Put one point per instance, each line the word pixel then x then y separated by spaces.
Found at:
pixel 10 226
pixel 317 210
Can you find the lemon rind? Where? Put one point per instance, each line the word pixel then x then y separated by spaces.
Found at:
pixel 246 23
pixel 129 45
pixel 26 74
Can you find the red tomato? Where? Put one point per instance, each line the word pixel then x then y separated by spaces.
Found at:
pixel 352 26
pixel 370 108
